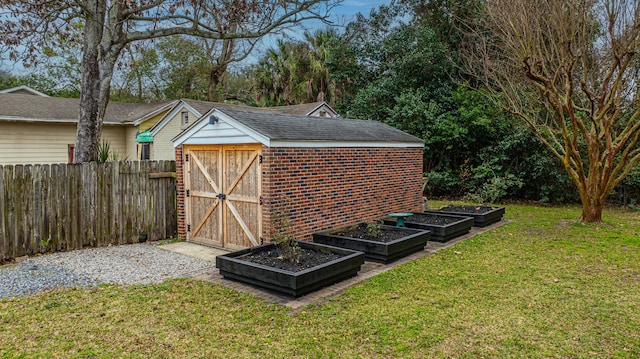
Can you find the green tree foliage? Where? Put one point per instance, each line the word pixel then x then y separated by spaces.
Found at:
pixel 300 71
pixel 205 69
pixel 138 78
pixel 445 17
pixel 409 79
pixel 34 80
pixel 184 68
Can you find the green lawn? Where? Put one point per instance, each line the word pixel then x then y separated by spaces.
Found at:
pixel 541 286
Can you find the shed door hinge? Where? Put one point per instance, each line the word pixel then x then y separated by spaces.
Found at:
pixel 188 228
pixel 260 159
pixel 188 193
pixel 186 157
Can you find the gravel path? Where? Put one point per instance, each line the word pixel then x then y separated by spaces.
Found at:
pixel 127 264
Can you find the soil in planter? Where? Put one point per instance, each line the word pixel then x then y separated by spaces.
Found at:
pixel 431 219
pixel 386 235
pixel 306 259
pixel 468 209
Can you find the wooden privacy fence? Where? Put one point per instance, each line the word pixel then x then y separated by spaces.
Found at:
pixel 62 207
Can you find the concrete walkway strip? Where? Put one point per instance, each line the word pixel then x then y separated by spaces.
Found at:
pixel 368 270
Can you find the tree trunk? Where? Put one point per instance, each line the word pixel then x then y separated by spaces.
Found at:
pixel 592 208
pixel 87 133
pixel 100 53
pixel 218 69
pixel 216 74
pixel 593 193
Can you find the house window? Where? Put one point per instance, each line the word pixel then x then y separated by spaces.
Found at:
pixel 185 118
pixel 70 153
pixel 145 151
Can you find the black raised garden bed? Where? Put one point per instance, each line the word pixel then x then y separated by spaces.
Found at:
pixel 336 264
pixel 393 243
pixel 443 227
pixel 482 215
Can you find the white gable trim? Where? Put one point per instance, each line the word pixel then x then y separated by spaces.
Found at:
pixel 24 88
pixel 203 124
pixel 319 144
pixel 325 106
pixel 56 120
pixel 140 120
pixel 179 107
pixel 32 119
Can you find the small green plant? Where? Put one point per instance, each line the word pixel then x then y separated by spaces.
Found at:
pixel 282 236
pixel 105 153
pixel 104 149
pixel 46 242
pixel 374 229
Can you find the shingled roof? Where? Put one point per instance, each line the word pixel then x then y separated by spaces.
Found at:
pixel 18 107
pixel 301 109
pixel 304 128
pixel 275 127
pixel 201 106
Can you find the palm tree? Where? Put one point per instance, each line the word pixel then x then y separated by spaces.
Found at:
pixel 297 71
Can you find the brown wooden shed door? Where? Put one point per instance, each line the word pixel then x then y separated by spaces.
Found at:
pixel 223 184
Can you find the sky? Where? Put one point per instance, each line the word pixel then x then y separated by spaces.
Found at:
pixel 352 7
pixel 340 15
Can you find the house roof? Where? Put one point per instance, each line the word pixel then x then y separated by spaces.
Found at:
pixel 199 108
pixel 18 107
pixel 24 89
pixel 302 109
pixel 283 130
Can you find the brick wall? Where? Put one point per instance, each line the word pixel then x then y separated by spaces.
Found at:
pixel 182 227
pixel 324 188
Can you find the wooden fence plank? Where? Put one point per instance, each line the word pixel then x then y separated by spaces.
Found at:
pixel 48 209
pixel 3 215
pixel 76 194
pixel 35 213
pixel 10 221
pixel 65 209
pixel 21 193
pixel 138 217
pixel 118 217
pixel 127 202
pixel 150 194
pixel 89 222
pixel 170 203
pixel 55 204
pixel 107 202
pixel 101 238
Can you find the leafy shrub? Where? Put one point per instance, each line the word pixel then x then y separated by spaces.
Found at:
pixel 374 229
pixel 105 153
pixel 496 188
